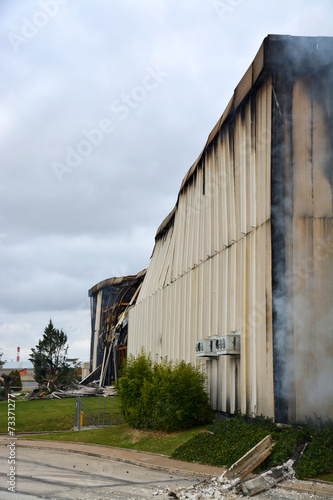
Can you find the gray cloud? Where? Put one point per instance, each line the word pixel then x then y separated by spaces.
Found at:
pixel 151 76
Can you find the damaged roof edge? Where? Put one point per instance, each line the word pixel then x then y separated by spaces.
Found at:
pixel 167 221
pixel 268 55
pixel 115 281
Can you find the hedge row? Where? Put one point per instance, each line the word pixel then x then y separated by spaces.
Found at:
pixel 228 440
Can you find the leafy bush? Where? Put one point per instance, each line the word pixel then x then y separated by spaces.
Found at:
pixel 318 458
pixel 17 382
pixel 225 442
pixel 232 438
pixel 164 396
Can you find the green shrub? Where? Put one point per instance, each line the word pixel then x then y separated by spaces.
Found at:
pixel 17 382
pixel 225 442
pixel 130 384
pixel 164 396
pixel 287 442
pixel 318 458
pixel 228 440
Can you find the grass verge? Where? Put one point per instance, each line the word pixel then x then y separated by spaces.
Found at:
pixel 58 414
pixel 326 477
pixel 122 436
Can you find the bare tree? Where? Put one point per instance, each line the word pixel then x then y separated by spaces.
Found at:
pixel 8 381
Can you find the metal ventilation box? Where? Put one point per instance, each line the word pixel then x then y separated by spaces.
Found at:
pixel 206 347
pixel 228 344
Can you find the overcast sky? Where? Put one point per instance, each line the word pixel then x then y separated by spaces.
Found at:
pixel 105 105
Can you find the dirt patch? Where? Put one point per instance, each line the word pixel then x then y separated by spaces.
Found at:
pixel 137 435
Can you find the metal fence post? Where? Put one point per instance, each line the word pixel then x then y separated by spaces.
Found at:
pixel 78 413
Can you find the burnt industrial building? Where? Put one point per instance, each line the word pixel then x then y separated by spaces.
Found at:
pixel 241 273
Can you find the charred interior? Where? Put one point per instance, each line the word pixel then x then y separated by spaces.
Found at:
pixel 110 301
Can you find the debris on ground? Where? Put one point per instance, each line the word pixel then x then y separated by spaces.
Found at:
pixel 232 482
pixel 74 390
pixel 292 489
pixel 268 479
pixel 314 488
pixel 272 477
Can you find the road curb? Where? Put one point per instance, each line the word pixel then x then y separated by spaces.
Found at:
pixel 321 488
pixel 185 470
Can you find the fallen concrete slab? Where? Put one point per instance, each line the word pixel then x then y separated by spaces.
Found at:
pixel 272 477
pixel 248 462
pixel 268 479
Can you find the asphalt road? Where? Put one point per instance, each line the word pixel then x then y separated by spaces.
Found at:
pixel 54 474
pixel 59 475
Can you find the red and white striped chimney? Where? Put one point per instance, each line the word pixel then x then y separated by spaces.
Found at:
pixel 18 355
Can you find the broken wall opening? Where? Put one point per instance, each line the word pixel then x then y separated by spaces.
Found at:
pixel 110 302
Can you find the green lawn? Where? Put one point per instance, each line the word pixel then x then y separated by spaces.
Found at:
pixel 56 414
pixel 123 436
pixel 326 477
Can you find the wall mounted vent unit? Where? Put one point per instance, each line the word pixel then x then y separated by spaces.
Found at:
pixel 206 347
pixel 228 344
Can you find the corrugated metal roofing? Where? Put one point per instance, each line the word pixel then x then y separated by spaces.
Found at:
pixel 115 281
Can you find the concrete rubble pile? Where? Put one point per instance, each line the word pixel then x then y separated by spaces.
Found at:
pixel 232 482
pixel 268 479
pixel 223 489
pixel 213 488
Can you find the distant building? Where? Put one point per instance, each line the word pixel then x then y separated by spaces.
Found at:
pixel 26 372
pixel 85 370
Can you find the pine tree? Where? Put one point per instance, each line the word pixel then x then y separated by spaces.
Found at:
pixel 49 358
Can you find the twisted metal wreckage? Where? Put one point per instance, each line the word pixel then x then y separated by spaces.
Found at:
pixel 110 301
